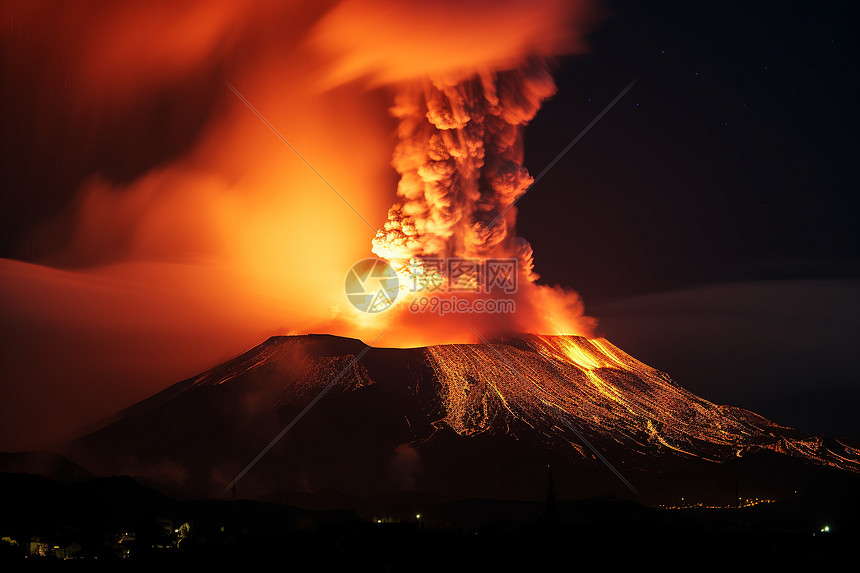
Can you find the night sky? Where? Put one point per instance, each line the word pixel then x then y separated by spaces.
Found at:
pixel 733 158
pixel 708 220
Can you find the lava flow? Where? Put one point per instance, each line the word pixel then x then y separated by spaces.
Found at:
pixel 545 384
pixel 445 415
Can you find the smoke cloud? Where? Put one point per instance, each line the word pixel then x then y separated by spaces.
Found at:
pixel 405 467
pixel 196 232
pixel 467 79
pixel 460 158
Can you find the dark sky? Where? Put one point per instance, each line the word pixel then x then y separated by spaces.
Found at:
pixel 733 158
pixel 708 219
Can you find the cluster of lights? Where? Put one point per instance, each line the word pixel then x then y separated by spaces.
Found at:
pixel 751 502
pixel 393 519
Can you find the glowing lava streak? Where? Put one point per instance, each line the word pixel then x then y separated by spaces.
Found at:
pixel 610 396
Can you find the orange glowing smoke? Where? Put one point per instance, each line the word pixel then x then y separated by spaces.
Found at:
pixel 460 159
pixel 232 235
pixel 467 78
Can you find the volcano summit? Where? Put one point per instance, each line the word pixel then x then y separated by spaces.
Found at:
pixel 453 420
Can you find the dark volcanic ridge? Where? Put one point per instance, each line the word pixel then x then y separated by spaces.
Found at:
pixel 456 420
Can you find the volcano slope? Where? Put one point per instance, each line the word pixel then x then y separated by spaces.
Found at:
pixel 464 420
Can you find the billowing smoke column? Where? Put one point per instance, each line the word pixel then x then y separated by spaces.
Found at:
pixel 460 160
pixel 467 77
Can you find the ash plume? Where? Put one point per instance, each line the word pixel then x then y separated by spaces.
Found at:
pixel 466 78
pixel 460 158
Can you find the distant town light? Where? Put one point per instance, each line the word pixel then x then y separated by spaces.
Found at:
pixel 417 516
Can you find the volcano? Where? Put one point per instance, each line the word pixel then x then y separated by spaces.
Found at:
pixel 451 420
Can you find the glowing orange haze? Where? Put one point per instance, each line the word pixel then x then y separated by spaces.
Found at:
pixel 238 239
